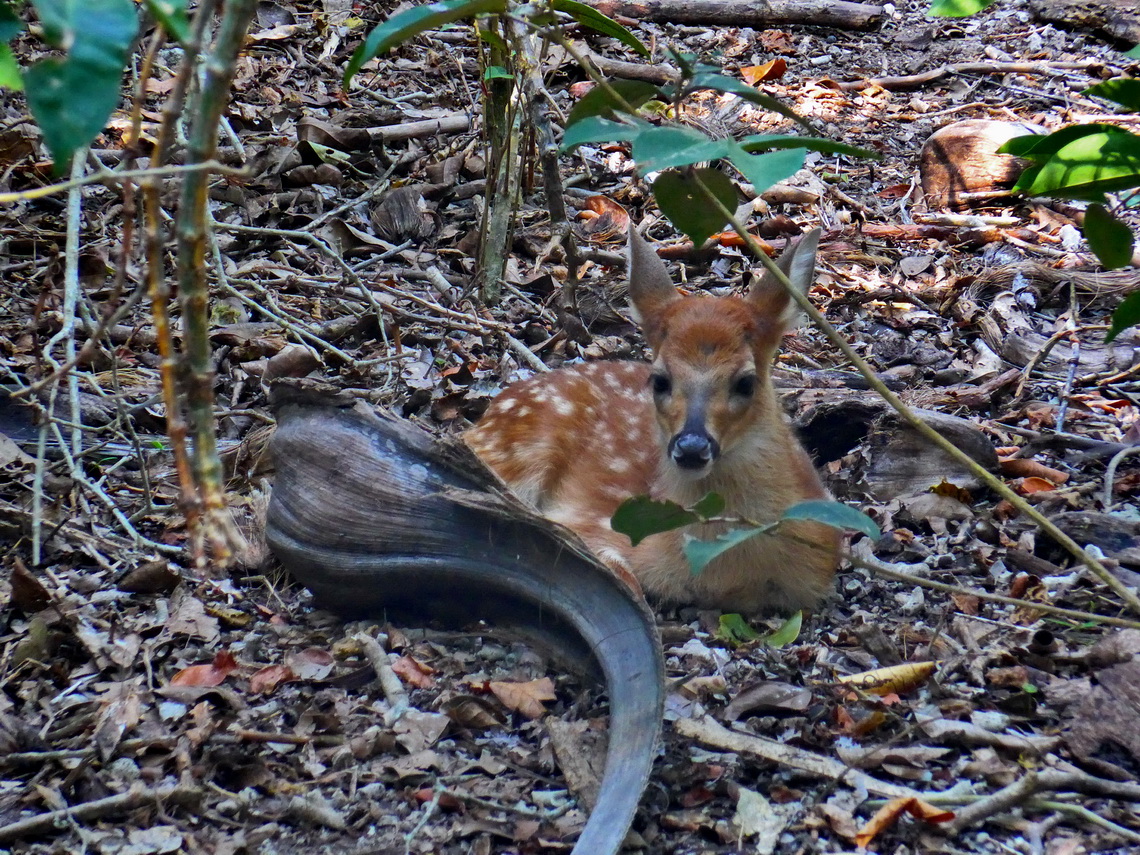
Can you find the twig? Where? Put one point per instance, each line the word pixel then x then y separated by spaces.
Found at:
pixel 377 657
pixel 524 353
pixel 560 229
pixel 45 823
pixel 708 732
pixel 1110 472
pixel 999 802
pixel 108 176
pixel 1071 614
pixel 914 81
pixel 215 525
pixel 158 283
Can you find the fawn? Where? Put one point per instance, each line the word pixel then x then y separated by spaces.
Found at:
pixel 576 442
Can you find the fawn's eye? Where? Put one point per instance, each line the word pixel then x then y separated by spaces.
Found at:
pixel 661 384
pixel 744 386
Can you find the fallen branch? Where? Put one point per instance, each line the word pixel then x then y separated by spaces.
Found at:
pixel 915 81
pixel 137 796
pixel 732 13
pixel 711 734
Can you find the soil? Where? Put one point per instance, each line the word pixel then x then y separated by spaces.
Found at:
pixel 187 709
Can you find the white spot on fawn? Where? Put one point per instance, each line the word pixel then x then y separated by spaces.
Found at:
pixel 563 407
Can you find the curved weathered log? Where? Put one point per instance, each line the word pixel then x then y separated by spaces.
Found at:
pixel 375 517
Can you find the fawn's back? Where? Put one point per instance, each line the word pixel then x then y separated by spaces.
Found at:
pixel 576 442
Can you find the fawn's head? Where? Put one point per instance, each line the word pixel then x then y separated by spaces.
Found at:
pixel 711 378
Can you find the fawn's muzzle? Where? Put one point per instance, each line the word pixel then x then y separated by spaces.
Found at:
pixel 693 449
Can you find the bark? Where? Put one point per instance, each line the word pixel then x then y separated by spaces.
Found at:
pixel 732 13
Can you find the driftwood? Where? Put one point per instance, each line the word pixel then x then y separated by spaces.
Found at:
pixel 960 163
pixel 933 75
pixel 899 461
pixel 1119 18
pixel 377 519
pixel 734 13
pixel 1011 334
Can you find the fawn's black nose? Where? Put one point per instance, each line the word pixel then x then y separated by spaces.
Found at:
pixel 693 450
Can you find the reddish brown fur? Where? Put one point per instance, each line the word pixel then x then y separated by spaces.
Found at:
pixel 576 442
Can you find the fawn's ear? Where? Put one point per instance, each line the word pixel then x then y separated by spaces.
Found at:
pixel 651 288
pixel 770 297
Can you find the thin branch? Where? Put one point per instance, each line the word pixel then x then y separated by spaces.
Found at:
pixel 996 484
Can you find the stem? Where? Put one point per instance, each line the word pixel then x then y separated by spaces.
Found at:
pixel 192 281
pixel 995 484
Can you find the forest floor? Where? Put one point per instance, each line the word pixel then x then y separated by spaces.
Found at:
pixel 228 715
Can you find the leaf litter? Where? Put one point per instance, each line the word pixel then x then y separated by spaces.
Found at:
pixel 262 725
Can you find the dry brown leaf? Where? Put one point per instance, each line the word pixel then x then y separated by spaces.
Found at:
pixel 772 70
pixel 605 219
pixel 1024 467
pixel 1029 486
pixel 525 698
pixel 269 678
pixel 889 813
pixel 896 678
pixel 312 663
pixel 413 672
pixel 213 674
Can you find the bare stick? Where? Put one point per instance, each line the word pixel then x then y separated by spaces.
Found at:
pixel 137 796
pixel 1000 802
pixel 393 689
pixel 979 471
pixel 219 68
pixel 710 733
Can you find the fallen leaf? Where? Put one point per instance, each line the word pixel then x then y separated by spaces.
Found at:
pixel 755 817
pixel 413 672
pixel 269 678
pixel 1023 467
pixel 1029 486
pixel 525 698
pixel 771 70
pixel 312 663
pixel 889 813
pixel 213 674
pixel 896 678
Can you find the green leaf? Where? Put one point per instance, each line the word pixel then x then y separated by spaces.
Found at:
pixel 656 149
pixel 1040 147
pixel 641 516
pixel 958 8
pixel 497 72
pixel 171 14
pixel 1109 238
pixel 768 142
pixel 9 70
pixel 788 632
pixel 10 23
pixel 712 80
pixel 595 20
pixel 1127 315
pixel 1087 168
pixel 710 505
pixel 600 102
pixel 735 629
pixel 701 552
pixel 835 514
pixel 764 170
pixel 71 98
pixel 595 129
pixel 1134 53
pixel 680 197
pixel 1125 91
pixel 411 22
